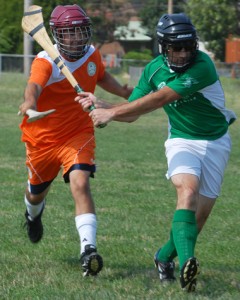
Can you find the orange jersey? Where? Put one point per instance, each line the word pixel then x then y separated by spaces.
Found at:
pixel 69 118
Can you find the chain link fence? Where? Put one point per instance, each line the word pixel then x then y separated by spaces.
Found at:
pixel 129 67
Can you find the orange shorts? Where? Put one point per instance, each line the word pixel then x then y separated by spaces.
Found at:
pixel 44 163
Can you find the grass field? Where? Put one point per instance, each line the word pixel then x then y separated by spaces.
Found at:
pixel 135 204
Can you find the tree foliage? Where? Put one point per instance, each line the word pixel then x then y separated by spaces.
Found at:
pixel 215 20
pixel 143 55
pixel 105 15
pixel 153 10
pixel 10 31
pixel 5 40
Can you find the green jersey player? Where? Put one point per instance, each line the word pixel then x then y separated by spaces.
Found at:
pixel 183 81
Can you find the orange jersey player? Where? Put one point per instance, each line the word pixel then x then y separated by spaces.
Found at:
pixel 65 139
pixel 56 91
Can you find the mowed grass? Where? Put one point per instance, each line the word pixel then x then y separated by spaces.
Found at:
pixel 135 205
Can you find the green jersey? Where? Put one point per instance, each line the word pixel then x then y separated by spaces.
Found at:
pixel 200 113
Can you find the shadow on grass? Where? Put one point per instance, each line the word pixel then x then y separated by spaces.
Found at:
pixel 211 283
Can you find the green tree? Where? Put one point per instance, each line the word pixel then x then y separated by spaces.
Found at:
pixel 10 30
pixel 5 40
pixel 215 20
pixel 153 10
pixel 105 14
pixel 150 13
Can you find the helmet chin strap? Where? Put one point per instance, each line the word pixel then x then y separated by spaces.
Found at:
pixel 72 57
pixel 178 69
pixel 75 56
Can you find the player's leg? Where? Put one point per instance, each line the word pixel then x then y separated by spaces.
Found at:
pixel 78 162
pixel 190 267
pixel 35 204
pixel 208 165
pixel 80 188
pixel 184 169
pixel 85 216
pixel 184 226
pixel 204 208
pixel 43 167
pixel 183 233
pixel 86 222
pixel 213 167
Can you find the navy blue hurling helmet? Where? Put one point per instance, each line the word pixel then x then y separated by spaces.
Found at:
pixel 175 33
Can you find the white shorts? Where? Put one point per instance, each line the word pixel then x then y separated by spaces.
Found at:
pixel 205 159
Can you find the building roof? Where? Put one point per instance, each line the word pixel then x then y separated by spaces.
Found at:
pixel 112 48
pixel 132 32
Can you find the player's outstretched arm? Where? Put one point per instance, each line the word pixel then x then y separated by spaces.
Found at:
pixel 135 108
pixel 111 85
pixel 31 94
pixel 87 99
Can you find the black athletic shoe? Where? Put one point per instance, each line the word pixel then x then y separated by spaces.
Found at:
pixel 91 261
pixel 34 227
pixel 165 269
pixel 188 275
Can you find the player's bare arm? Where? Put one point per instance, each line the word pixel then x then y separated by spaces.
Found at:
pixel 31 95
pixel 111 85
pixel 87 99
pixel 136 108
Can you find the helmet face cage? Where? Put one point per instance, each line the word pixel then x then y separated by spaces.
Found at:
pixel 73 42
pixel 72 31
pixel 176 62
pixel 178 41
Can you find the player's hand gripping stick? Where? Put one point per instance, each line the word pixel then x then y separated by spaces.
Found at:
pixel 78 89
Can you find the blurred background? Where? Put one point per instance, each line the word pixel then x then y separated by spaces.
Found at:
pixel 124 31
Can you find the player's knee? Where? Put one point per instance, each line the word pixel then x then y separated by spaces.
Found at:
pixel 35 198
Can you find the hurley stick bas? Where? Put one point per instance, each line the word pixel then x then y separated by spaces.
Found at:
pixel 34 115
pixel 32 24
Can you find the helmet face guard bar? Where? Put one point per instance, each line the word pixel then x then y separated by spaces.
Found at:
pixel 73 42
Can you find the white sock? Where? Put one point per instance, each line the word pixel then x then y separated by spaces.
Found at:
pixel 86 225
pixel 33 210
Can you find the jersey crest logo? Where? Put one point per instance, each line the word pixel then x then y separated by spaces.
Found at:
pixel 91 68
pixel 189 81
pixel 161 85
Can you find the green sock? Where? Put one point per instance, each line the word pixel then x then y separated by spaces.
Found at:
pixel 184 229
pixel 168 251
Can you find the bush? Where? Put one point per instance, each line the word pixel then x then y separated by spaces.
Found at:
pixel 136 59
pixel 146 54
